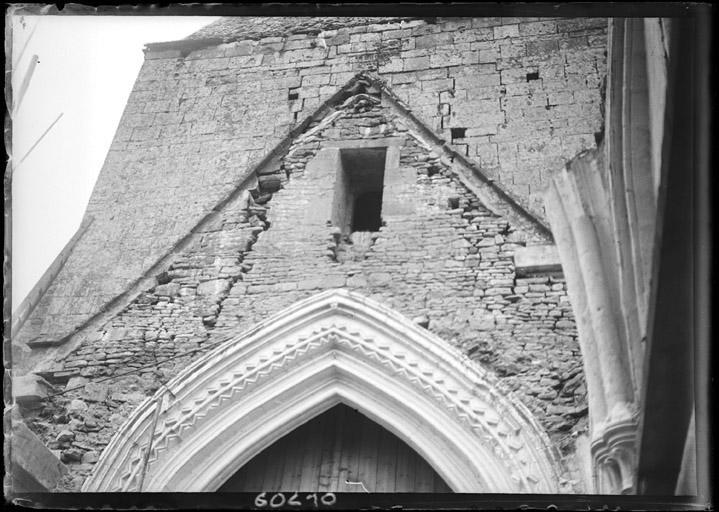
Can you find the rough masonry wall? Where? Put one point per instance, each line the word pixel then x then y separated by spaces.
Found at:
pixel 522 93
pixel 442 259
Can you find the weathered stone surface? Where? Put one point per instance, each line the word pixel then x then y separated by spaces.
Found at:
pixel 441 257
pixel 95 392
pixel 537 258
pixel 422 321
pixel 65 436
pixel 173 133
pixel 30 454
pixel 71 455
pixel 90 457
pixel 75 382
pixel 128 397
pixel 251 28
pixel 76 406
pixel 213 287
pixel 30 388
pixel 169 289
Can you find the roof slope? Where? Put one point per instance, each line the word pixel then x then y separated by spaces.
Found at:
pixel 258 27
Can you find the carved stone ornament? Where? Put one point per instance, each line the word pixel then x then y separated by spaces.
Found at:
pixel 614 454
pixel 334 347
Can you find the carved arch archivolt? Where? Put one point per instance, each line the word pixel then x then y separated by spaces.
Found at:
pixel 334 347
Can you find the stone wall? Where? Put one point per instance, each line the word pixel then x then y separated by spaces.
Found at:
pixel 441 258
pixel 523 95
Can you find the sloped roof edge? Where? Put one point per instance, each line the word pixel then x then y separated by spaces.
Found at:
pixel 243 28
pixel 215 34
pixel 32 299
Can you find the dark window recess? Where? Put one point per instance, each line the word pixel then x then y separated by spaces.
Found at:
pixel 368 211
pixel 358 193
pixel 457 133
pixel 293 94
pixel 534 75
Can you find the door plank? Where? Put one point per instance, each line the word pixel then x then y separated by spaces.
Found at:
pixel 338 445
pixel 327 443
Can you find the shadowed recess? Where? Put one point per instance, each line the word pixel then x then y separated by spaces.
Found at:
pixel 340 450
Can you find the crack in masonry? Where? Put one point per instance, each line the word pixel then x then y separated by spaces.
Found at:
pixel 334 244
pixel 253 211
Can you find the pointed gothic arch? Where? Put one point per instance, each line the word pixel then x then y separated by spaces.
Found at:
pixel 336 346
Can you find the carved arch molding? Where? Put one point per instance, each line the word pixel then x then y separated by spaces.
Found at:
pixel 334 347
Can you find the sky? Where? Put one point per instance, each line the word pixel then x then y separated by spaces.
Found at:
pixel 86 67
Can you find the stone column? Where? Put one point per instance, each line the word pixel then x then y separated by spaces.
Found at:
pixel 604 351
pixel 576 289
pixel 611 355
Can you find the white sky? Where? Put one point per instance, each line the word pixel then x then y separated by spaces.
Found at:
pixel 87 67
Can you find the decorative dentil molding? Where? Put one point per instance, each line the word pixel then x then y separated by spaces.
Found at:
pixel 357 340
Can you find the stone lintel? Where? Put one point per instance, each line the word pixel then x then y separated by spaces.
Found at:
pixel 31 388
pixel 537 258
pixel 364 143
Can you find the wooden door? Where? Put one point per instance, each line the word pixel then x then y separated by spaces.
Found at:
pixel 339 451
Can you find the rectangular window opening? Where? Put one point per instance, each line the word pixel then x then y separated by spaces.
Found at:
pixel 534 75
pixel 293 94
pixel 359 189
pixel 457 133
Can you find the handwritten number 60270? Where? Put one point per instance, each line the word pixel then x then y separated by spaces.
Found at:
pixel 278 499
